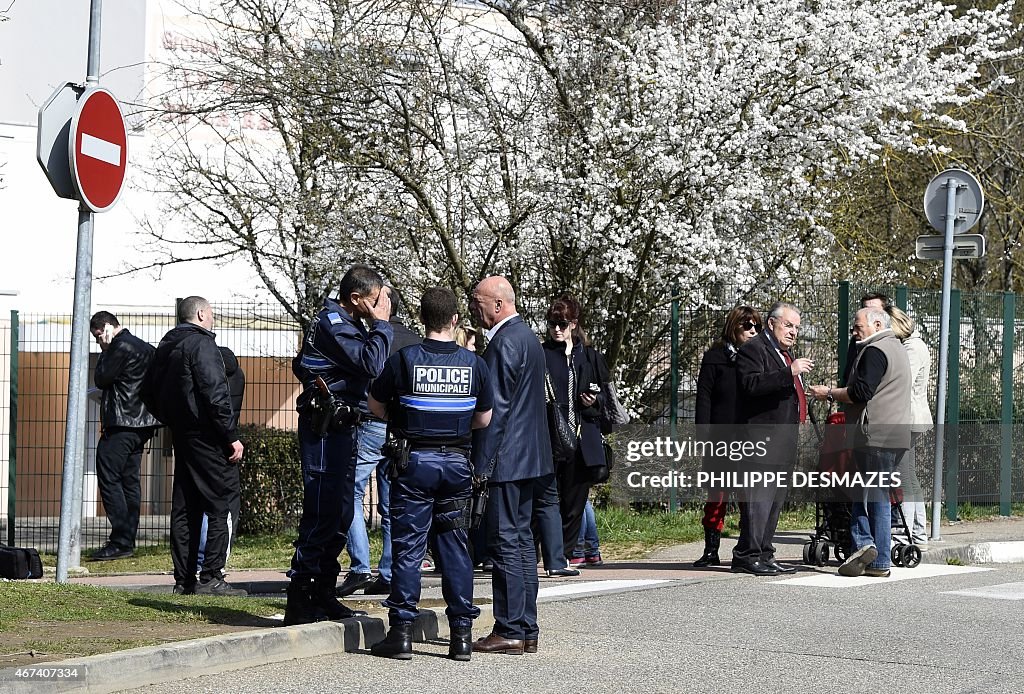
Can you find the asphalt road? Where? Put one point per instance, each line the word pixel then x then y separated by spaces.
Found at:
pixel 736 634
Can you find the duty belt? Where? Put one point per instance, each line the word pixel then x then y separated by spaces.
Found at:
pixel 442 449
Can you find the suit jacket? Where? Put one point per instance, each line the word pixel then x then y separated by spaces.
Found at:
pixel 768 405
pixel 517 440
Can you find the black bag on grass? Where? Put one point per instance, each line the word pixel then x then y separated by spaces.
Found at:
pixel 18 563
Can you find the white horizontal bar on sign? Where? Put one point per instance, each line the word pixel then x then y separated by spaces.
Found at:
pixel 101 149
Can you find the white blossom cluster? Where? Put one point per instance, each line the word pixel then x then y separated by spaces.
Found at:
pixel 618 151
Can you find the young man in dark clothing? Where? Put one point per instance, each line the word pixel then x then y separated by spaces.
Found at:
pixel 187 387
pixel 126 426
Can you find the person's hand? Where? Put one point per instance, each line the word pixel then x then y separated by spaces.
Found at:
pixel 106 337
pixel 801 366
pixel 818 392
pixel 236 452
pixel 380 310
pixel 588 399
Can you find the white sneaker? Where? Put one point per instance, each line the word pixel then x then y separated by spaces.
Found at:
pixel 858 561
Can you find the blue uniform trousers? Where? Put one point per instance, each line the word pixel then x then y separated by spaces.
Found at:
pixel 510 542
pixel 328 477
pixel 432 479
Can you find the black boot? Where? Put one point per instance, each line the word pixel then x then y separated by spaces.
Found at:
pixel 301 608
pixel 712 540
pixel 397 644
pixel 325 598
pixel 460 643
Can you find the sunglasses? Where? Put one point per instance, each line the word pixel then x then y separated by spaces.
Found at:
pixel 560 324
pixel 747 325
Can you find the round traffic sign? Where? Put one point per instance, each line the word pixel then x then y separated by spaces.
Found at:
pixel 970 200
pixel 99 149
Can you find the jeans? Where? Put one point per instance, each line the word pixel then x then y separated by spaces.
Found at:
pixel 369 439
pixel 588 544
pixel 871 519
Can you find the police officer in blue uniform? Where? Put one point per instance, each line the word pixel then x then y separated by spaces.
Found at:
pixel 339 357
pixel 433 394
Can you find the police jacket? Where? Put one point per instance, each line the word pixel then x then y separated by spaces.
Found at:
pixel 344 353
pixel 432 391
pixel 516 445
pixel 187 386
pixel 120 371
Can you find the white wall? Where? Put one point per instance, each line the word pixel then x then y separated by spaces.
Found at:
pixel 43 45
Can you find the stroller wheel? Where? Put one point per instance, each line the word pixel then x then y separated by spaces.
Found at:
pixel 840 552
pixel 911 556
pixel 821 554
pixel 897 555
pixel 809 549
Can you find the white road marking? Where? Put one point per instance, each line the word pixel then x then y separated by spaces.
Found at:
pixel 1002 591
pixel 101 149
pixel 595 587
pixel 831 580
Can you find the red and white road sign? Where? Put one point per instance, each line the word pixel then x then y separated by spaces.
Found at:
pixel 99 149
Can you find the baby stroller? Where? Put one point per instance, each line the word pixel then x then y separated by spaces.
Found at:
pixel 832 518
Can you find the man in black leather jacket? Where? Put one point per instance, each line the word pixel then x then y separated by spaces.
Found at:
pixel 126 426
pixel 187 389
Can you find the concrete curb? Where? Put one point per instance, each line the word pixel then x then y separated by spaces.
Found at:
pixel 976 553
pixel 140 667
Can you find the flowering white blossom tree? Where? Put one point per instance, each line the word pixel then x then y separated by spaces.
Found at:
pixel 618 151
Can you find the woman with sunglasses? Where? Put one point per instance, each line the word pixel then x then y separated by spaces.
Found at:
pixel 716 405
pixel 577 373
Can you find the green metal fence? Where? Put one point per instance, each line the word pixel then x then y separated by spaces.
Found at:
pixel 984 452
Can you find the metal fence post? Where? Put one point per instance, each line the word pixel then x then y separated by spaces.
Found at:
pixel 12 439
pixel 901 297
pixel 843 328
pixel 1006 414
pixel 673 412
pixel 952 433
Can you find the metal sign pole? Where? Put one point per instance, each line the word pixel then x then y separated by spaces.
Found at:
pixel 69 547
pixel 940 405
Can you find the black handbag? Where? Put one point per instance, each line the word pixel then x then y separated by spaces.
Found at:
pixel 600 474
pixel 20 563
pixel 564 439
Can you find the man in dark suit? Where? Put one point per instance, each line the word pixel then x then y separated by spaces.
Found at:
pixel 772 404
pixel 511 453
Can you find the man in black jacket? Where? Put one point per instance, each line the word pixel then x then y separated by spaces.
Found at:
pixel 126 425
pixel 187 389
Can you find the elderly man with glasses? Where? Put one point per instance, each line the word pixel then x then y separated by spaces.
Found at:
pixel 772 405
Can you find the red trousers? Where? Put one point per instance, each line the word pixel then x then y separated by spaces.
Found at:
pixel 714 509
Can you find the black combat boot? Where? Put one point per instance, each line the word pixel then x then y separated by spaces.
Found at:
pixel 301 608
pixel 397 644
pixel 325 598
pixel 712 540
pixel 460 643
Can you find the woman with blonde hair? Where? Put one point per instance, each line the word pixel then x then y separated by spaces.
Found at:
pixel 920 421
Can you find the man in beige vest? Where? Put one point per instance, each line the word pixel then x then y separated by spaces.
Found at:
pixel 877 400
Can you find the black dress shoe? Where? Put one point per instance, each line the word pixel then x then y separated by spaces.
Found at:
pixel 110 551
pixel 756 568
pixel 552 573
pixel 772 564
pixel 493 643
pixel 377 586
pixel 530 646
pixel 353 582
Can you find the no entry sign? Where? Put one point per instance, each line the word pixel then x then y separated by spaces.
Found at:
pixel 99 149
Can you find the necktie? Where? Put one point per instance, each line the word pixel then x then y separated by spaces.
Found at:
pixel 801 395
pixel 572 393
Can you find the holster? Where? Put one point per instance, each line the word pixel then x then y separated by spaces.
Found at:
pixel 329 413
pixel 397 451
pixel 478 505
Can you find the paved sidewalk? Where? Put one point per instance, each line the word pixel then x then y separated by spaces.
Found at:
pixel 1000 540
